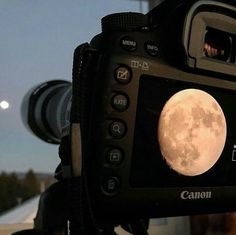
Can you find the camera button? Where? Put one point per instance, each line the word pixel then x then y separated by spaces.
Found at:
pixel 123 74
pixel 110 185
pixel 128 43
pixel 114 156
pixel 117 129
pixel 151 48
pixel 120 102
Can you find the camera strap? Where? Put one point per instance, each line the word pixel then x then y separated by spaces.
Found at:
pixel 82 220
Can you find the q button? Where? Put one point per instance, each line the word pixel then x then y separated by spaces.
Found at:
pixel 117 129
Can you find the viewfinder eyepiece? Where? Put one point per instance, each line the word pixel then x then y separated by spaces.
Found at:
pixel 217 45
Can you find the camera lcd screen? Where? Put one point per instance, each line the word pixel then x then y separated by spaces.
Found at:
pixel 149 168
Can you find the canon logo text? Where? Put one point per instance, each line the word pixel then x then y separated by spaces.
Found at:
pixel 186 195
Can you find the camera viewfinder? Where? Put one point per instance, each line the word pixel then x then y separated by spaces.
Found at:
pixel 218 45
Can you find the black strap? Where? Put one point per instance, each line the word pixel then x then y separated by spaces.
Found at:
pixel 81 217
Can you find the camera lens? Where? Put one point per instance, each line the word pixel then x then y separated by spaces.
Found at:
pixel 45 109
pixel 217 45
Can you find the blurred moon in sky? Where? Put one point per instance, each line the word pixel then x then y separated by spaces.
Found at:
pixel 191 132
pixel 4 104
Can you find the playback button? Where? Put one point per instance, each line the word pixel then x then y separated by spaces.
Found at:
pixel 123 74
pixel 114 156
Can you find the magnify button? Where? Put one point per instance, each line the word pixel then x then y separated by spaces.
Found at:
pixel 117 129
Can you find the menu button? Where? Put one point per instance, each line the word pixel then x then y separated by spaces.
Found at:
pixel 128 43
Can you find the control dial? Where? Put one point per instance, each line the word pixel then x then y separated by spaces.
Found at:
pixel 128 21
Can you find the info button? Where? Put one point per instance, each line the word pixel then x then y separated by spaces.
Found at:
pixel 152 48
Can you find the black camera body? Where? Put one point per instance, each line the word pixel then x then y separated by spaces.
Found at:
pixel 147 128
pixel 138 63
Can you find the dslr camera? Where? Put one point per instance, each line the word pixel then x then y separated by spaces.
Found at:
pixel 150 115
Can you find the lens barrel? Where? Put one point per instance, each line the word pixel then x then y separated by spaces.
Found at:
pixel 46 108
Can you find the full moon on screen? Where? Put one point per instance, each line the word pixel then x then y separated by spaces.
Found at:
pixel 191 132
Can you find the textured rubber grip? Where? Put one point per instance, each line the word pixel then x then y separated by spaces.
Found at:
pixel 128 21
pixel 84 70
pixel 76 79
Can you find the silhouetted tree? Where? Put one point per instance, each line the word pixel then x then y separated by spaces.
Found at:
pixel 10 190
pixel 30 185
pixel 13 190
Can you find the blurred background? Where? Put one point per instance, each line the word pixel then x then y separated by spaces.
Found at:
pixel 37 40
pixel 37 43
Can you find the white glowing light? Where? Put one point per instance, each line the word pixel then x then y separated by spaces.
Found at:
pixel 4 104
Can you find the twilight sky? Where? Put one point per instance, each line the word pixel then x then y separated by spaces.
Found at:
pixel 37 39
